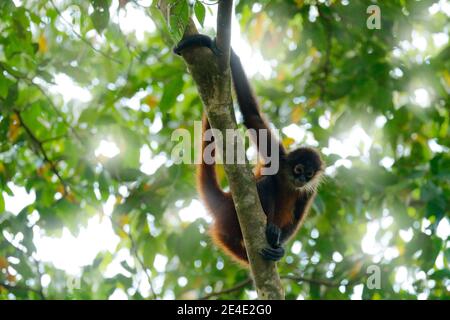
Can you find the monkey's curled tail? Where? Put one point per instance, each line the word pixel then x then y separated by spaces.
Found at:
pixel 207 184
pixel 225 231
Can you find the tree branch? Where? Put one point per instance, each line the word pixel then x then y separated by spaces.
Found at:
pixel 39 274
pixel 248 281
pixel 237 287
pixel 40 290
pixel 42 151
pixel 56 110
pixel 22 288
pixel 223 38
pixel 309 280
pixel 135 253
pixel 214 85
pixel 29 80
pixel 53 139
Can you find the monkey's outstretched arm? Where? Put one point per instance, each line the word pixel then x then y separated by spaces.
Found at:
pixel 251 113
pixel 246 98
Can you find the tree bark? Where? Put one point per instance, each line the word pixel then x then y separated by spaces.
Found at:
pixel 213 79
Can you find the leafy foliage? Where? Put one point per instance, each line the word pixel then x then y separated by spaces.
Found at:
pixel 73 75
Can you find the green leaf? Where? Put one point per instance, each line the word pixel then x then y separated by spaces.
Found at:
pixel 13 93
pixel 178 19
pixel 132 143
pixel 119 172
pixel 200 12
pixel 436 207
pixel 127 267
pixel 447 254
pixel 89 115
pixel 5 84
pixel 100 16
pixel 319 205
pixel 430 254
pixel 171 91
pixel 149 252
pixel 440 274
pixel 69 214
pixel 189 242
pixel 2 203
pixel 104 184
pixel 100 20
pixel 45 75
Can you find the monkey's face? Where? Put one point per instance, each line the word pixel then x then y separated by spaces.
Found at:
pixel 306 167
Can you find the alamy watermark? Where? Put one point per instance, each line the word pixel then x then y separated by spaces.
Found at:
pixel 374 20
pixel 374 280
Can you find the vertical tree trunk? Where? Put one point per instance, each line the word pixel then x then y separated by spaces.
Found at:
pixel 212 77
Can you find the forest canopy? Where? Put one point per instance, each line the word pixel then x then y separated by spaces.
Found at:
pixel 93 206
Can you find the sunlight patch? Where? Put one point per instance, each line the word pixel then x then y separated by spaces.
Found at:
pixel 440 39
pixel 149 163
pixel 108 149
pixel 194 211
pixel 132 20
pixel 71 253
pixel 418 41
pixel 421 97
pixel 19 200
pixel 355 143
pixel 252 59
pixel 443 229
pixel 160 263
pixel 118 294
pixel 69 90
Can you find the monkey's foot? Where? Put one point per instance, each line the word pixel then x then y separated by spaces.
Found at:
pixel 272 253
pixel 273 235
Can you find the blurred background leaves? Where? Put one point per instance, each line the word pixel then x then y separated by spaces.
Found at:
pixel 93 207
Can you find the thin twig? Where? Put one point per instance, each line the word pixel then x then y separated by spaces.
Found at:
pixel 39 291
pixel 57 111
pixel 309 280
pixel 53 139
pixel 19 287
pixel 237 287
pixel 135 253
pixel 42 151
pixel 130 52
pixel 20 76
pixel 248 281
pixel 142 264
pixel 41 288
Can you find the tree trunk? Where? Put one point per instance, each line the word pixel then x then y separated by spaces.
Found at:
pixel 212 77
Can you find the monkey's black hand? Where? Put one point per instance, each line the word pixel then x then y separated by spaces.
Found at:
pixel 273 235
pixel 275 252
pixel 272 253
pixel 198 40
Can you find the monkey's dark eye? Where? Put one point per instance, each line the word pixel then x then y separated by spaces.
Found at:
pixel 309 173
pixel 298 169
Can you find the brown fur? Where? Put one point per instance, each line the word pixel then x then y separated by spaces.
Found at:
pixel 284 202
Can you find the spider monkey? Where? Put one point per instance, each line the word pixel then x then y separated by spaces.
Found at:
pixel 285 196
